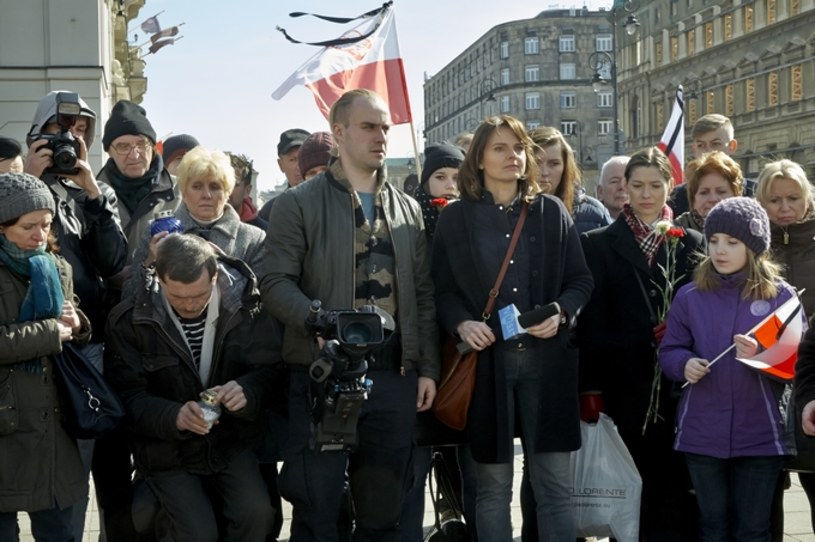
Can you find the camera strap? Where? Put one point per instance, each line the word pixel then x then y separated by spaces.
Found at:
pixel 516 233
pixel 61 191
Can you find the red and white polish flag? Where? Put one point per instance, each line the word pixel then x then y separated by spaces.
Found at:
pixel 673 139
pixel 779 335
pixel 373 63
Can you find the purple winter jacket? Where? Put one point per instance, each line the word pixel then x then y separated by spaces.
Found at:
pixel 733 411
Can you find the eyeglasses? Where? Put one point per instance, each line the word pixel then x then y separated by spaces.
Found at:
pixel 125 148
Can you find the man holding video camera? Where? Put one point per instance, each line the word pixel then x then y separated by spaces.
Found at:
pixel 349 239
pixel 86 223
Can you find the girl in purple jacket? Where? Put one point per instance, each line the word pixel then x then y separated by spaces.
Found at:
pixel 730 419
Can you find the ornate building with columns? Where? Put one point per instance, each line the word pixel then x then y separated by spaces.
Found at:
pixel 80 46
pixel 752 60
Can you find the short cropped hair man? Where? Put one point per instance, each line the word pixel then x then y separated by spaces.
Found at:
pixel 350 239
pixel 713 132
pixel 202 329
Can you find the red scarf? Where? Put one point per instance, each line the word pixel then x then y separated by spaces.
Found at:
pixel 248 210
pixel 644 234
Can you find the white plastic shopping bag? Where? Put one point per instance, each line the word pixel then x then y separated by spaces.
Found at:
pixel 606 484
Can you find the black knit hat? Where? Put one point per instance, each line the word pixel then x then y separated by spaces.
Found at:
pixel 22 193
pixel 9 148
pixel 176 146
pixel 127 118
pixel 742 218
pixel 439 156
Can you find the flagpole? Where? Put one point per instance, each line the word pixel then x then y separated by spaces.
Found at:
pixel 416 151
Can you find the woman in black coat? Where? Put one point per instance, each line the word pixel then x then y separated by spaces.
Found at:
pixel 533 376
pixel 619 332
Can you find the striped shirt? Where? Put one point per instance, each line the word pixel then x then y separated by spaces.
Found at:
pixel 194 332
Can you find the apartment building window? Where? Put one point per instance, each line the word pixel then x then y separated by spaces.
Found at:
pixel 568 70
pixel 531 45
pixel 605 127
pixel 504 104
pixel 566 43
pixel 691 42
pixel 708 34
pixel 605 99
pixel 728 26
pixel 532 100
pixel 602 42
pixel 532 73
pixel 674 48
pixel 505 79
pixel 504 49
pixel 568 127
pixel 568 100
pixel 532 124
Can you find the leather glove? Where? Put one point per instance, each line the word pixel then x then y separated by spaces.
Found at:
pixel 591 405
pixel 659 332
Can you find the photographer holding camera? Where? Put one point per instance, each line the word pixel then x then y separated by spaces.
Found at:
pixel 350 239
pixel 86 223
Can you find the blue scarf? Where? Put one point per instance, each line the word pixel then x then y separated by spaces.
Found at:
pixel 44 296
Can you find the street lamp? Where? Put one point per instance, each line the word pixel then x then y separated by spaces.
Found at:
pixel 599 60
pixel 485 94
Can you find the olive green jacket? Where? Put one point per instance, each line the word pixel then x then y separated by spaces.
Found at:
pixel 310 255
pixel 39 461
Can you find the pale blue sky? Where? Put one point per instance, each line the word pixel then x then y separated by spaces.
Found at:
pixel 216 82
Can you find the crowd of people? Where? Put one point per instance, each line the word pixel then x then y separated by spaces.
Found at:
pixel 233 339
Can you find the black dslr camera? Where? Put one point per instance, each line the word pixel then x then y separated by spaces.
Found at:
pixel 63 144
pixel 339 385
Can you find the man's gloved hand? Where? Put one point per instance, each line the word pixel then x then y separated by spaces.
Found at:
pixel 591 405
pixel 659 332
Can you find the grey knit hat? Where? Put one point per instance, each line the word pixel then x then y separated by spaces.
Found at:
pixel 177 145
pixel 21 193
pixel 742 218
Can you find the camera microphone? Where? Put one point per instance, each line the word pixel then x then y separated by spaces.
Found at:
pixel 536 316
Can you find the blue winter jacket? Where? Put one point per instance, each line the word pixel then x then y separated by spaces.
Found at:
pixel 733 411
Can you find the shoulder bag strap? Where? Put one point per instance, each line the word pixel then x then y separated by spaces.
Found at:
pixel 504 266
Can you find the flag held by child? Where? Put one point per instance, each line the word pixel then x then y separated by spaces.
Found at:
pixel 367 56
pixel 779 336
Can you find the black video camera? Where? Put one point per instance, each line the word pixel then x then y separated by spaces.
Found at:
pixel 64 146
pixel 339 382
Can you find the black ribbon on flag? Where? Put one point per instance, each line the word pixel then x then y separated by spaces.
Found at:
pixel 339 20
